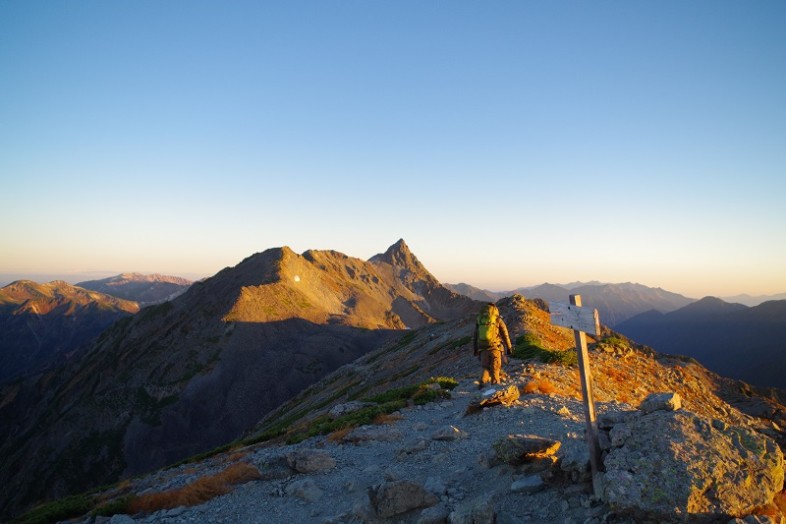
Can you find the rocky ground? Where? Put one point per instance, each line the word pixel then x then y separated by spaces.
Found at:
pixel 424 464
pixel 436 447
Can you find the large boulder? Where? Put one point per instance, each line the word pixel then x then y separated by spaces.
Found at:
pixel 677 464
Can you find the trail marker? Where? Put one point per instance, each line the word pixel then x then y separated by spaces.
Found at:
pixel 583 320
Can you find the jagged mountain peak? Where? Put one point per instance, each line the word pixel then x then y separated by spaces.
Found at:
pixel 398 255
pixel 392 290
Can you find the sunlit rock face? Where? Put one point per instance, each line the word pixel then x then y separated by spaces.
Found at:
pixel 675 462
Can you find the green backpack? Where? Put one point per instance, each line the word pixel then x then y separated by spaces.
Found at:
pixel 488 330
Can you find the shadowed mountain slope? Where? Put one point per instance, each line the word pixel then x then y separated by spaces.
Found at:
pixel 144 289
pixel 731 339
pixel 41 323
pixel 190 374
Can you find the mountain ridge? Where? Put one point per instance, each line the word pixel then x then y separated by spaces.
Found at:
pixel 146 289
pixel 42 323
pixel 229 349
pixel 615 302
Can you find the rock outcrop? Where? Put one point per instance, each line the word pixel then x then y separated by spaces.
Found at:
pixel 671 462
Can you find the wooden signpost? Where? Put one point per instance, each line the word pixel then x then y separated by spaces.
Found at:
pixel 583 320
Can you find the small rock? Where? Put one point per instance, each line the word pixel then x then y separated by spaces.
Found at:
pixel 310 461
pixel 434 515
pixel 121 519
pixel 505 397
pixel 619 434
pixel 435 486
pixel 274 468
pixel 348 407
pixel 478 511
pixel 449 433
pixel 661 402
pixel 374 433
pixel 530 484
pixel 305 489
pixel 175 512
pixel 518 449
pixel 397 497
pixel 610 419
pixel 420 445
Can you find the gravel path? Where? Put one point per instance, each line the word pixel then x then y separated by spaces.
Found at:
pixel 435 446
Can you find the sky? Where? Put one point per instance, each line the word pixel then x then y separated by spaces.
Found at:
pixel 509 143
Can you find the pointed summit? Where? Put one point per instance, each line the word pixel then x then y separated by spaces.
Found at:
pixel 398 255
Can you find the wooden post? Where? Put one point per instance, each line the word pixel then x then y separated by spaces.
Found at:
pixel 589 402
pixel 581 321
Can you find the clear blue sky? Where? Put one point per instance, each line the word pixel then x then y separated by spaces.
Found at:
pixel 509 143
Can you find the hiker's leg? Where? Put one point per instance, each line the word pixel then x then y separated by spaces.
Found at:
pixel 496 365
pixel 485 363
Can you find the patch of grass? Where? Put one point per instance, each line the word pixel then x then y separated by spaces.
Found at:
pixel 444 382
pixel 614 341
pixel 385 419
pixel 57 510
pixel 324 425
pixel 528 347
pixel 339 435
pixel 425 394
pixel 201 490
pixel 115 507
pixel 391 395
pixel 384 404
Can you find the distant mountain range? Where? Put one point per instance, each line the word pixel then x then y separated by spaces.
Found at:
pixel 144 289
pixel 196 372
pixel 748 343
pixel 44 323
pixel 750 300
pixel 614 302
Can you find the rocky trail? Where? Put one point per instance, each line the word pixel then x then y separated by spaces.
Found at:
pixel 522 460
pixel 437 460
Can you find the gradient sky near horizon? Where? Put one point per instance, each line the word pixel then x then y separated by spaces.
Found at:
pixel 509 143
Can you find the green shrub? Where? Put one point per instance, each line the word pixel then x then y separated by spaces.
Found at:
pixel 614 341
pixel 527 347
pixel 324 424
pixel 444 382
pixel 57 510
pixel 404 393
pixel 115 507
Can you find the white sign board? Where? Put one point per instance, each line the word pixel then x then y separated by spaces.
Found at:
pixel 575 317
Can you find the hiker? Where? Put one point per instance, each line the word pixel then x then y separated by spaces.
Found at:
pixel 490 339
